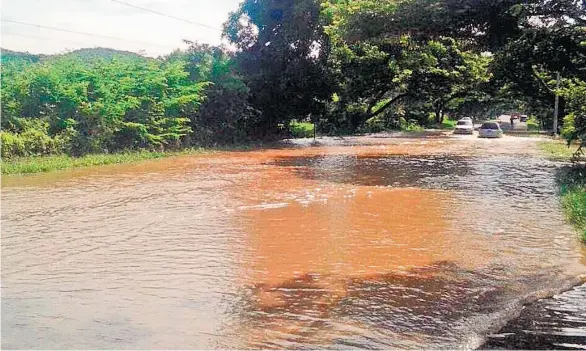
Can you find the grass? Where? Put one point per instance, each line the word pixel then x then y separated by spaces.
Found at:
pixel 557 150
pixel 572 182
pixel 38 164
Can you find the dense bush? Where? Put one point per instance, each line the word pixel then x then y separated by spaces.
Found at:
pixel 78 105
pixel 301 129
pixel 572 183
pixel 533 124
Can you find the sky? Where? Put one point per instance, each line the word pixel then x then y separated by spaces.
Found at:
pixel 158 35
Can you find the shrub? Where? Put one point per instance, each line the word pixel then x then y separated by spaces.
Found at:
pixel 568 129
pixel 373 125
pixel 533 124
pixel 412 125
pixel 572 182
pixel 11 145
pixel 301 129
pixel 31 142
pixel 38 143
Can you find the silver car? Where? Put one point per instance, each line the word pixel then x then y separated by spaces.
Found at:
pixel 464 126
pixel 490 130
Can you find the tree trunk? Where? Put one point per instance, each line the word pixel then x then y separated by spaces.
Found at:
pixel 561 111
pixel 438 116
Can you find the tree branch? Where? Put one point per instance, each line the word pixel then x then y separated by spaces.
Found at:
pixel 375 101
pixel 540 81
pixel 386 105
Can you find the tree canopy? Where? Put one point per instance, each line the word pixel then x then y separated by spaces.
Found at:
pixel 346 65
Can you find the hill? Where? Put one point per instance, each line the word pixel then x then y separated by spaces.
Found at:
pixel 87 54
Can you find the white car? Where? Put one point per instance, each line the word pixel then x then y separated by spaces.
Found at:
pixel 467 119
pixel 464 126
pixel 490 130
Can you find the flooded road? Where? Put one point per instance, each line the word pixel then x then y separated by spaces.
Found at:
pixel 553 323
pixel 366 242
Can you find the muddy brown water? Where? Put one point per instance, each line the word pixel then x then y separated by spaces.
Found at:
pixel 368 242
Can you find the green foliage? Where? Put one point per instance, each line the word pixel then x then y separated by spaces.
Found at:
pixel 374 124
pixel 31 140
pixel 411 126
pixel 380 67
pixel 301 129
pixel 225 116
pixel 36 164
pixel 282 56
pixel 574 202
pixel 568 127
pixel 347 65
pixel 455 54
pixel 572 182
pixel 66 104
pixel 558 150
pixel 533 124
pixel 449 123
pixel 574 127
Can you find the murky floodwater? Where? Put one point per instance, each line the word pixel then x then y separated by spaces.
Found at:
pixel 360 242
pixel 557 323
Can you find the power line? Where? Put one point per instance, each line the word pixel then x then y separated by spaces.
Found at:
pixel 165 15
pixel 42 38
pixel 85 33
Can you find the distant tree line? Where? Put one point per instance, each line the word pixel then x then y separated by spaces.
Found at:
pixel 348 66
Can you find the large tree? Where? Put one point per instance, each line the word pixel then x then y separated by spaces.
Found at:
pixel 281 54
pixel 378 69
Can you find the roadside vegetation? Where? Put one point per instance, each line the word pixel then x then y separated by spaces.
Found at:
pixel 449 123
pixel 359 66
pixel 36 164
pixel 571 181
pixel 533 124
pixel 558 150
pixel 301 129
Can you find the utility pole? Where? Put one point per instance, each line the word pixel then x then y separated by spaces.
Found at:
pixel 557 105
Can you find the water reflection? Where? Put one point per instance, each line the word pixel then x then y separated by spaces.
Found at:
pixel 373 170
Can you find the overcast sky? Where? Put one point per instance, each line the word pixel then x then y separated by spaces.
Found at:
pixel 108 18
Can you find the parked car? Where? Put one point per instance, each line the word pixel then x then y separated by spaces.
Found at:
pixel 466 119
pixel 464 126
pixel 490 130
pixel 523 118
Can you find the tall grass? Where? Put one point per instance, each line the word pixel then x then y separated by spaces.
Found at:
pixel 38 164
pixel 572 182
pixel 557 150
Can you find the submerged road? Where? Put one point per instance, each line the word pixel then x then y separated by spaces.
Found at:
pixel 383 241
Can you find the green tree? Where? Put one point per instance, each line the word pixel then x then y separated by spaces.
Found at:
pixel 225 115
pixel 96 105
pixel 282 53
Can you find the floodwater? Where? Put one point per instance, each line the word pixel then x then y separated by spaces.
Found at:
pixel 369 242
pixel 557 323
